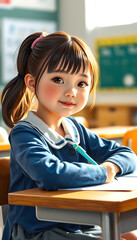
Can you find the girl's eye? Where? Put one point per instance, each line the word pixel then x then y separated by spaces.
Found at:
pixel 57 80
pixel 82 84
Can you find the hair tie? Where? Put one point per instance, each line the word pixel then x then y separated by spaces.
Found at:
pixel 20 76
pixel 37 40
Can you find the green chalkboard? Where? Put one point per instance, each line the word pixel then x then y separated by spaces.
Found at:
pixel 117 59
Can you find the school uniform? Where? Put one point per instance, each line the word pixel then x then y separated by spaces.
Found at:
pixel 40 157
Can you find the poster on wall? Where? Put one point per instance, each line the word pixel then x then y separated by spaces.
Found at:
pixel 5 3
pixel 45 5
pixel 42 5
pixel 14 31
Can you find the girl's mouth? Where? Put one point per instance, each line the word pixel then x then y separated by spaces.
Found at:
pixel 67 103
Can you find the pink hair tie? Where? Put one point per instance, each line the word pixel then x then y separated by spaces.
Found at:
pixel 36 40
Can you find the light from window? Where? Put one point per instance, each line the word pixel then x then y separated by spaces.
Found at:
pixel 102 13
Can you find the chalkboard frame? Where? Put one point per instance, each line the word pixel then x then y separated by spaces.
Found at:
pixel 113 43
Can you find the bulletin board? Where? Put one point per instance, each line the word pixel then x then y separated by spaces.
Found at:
pixel 14 31
pixel 117 59
pixel 17 21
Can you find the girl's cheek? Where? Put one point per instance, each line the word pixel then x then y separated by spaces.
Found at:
pixel 83 98
pixel 50 91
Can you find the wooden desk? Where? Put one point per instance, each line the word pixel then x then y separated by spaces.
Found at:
pixel 111 132
pixel 4 150
pixel 115 212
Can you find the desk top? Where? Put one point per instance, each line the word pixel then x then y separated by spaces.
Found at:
pixel 105 201
pixel 112 131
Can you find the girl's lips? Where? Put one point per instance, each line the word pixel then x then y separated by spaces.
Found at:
pixel 67 103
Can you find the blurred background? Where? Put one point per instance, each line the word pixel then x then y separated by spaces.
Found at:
pixel 110 29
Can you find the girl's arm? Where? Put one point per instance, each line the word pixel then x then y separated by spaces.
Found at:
pixel 57 169
pixel 49 168
pixel 103 150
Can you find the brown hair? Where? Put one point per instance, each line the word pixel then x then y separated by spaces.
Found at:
pixel 56 49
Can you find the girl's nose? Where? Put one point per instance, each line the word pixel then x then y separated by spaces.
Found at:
pixel 72 92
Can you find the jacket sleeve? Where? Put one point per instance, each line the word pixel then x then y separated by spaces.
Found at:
pixel 36 161
pixel 102 150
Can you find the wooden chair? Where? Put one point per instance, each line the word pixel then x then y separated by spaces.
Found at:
pixel 130 139
pixel 4 186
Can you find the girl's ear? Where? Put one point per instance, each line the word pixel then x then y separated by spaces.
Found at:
pixel 30 82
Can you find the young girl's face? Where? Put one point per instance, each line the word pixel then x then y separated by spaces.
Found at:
pixel 63 93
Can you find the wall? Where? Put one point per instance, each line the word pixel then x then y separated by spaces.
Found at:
pixel 72 17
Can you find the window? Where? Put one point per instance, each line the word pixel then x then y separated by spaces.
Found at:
pixel 102 13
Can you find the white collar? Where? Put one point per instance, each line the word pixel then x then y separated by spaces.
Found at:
pixel 52 137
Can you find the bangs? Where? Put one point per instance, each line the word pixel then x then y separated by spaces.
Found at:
pixel 68 57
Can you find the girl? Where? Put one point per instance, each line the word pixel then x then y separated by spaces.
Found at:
pixel 60 70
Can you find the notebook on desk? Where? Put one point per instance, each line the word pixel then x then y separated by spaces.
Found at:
pixel 123 183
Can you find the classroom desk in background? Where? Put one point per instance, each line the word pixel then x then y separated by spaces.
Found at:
pixel 4 149
pixel 112 132
pixel 115 212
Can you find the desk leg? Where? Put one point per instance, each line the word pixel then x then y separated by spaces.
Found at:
pixel 110 226
pixel 1 222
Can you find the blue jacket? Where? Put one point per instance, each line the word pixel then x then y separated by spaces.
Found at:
pixel 42 158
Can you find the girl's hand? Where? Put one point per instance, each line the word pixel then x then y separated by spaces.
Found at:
pixel 112 169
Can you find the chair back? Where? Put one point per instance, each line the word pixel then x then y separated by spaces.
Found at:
pixel 130 139
pixel 4 180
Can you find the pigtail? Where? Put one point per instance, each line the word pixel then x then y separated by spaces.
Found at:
pixel 16 98
pixel 16 101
